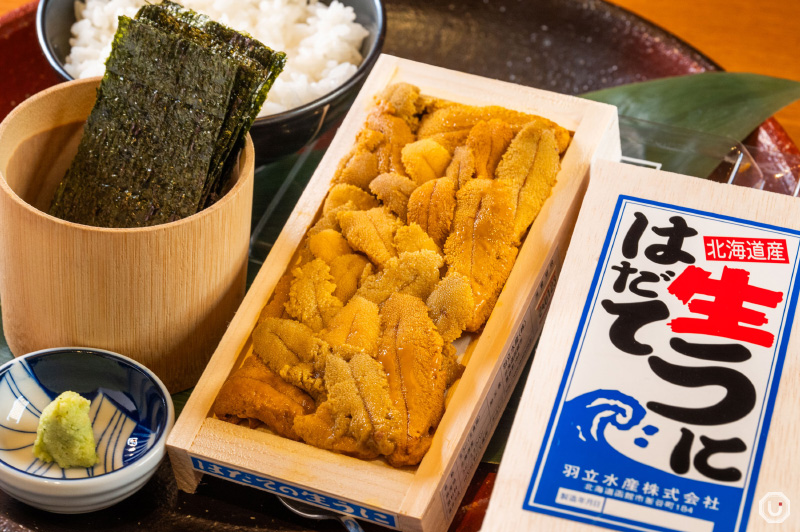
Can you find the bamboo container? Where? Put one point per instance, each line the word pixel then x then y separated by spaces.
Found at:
pixel 162 295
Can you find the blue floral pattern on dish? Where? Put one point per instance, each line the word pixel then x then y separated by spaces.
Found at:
pixel 127 411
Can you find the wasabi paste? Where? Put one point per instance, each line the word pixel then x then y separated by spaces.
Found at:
pixel 65 433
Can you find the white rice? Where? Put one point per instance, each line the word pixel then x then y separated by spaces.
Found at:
pixel 321 42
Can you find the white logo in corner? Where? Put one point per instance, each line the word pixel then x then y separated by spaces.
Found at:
pixel 774 507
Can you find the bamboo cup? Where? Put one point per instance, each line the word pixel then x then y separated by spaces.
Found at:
pixel 161 295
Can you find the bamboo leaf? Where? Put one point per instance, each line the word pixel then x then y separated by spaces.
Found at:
pixel 722 103
pixel 179 401
pixel 659 119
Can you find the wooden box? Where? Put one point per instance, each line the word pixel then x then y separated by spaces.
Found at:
pixel 769 458
pixel 422 498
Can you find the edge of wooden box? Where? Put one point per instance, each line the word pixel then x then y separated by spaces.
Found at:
pixel 402 491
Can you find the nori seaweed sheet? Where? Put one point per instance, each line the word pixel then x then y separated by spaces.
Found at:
pixel 144 157
pixel 259 66
pixel 172 112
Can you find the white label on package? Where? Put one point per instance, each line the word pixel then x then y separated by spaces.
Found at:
pixel 663 412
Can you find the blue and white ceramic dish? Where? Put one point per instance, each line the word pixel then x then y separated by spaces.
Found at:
pixel 131 415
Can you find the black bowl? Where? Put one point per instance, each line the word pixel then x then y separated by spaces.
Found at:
pixel 273 136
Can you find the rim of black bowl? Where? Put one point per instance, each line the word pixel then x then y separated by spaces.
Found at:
pixel 49 53
pixel 361 72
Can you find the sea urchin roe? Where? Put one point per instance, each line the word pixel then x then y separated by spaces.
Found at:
pixel 65 433
pixel 402 272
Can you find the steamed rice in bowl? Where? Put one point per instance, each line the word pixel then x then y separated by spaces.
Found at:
pixel 321 42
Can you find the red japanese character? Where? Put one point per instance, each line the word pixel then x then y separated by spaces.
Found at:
pixel 726 311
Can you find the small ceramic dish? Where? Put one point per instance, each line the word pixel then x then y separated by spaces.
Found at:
pixel 131 414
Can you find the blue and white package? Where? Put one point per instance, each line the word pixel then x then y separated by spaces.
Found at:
pixel 663 412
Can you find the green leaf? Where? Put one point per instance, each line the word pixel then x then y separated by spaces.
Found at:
pixel 659 119
pixel 722 103
pixel 179 401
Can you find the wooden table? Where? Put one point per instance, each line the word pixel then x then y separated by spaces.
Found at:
pixel 740 35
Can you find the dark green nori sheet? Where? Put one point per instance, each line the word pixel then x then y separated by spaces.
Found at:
pixel 238 42
pixel 179 95
pixel 259 66
pixel 144 157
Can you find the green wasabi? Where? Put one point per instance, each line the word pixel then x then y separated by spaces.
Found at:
pixel 65 433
